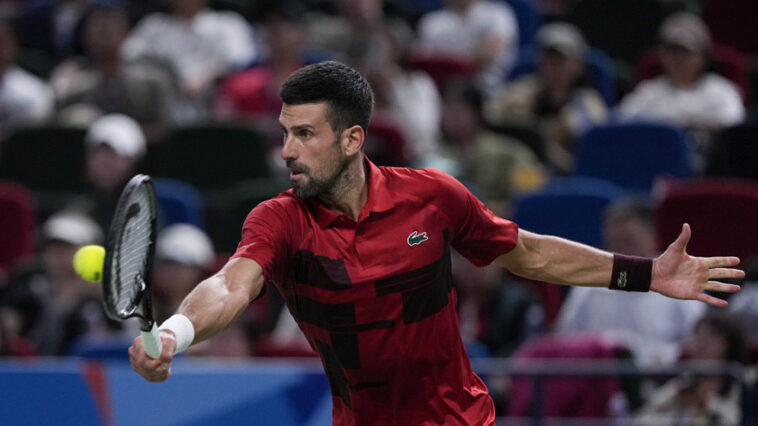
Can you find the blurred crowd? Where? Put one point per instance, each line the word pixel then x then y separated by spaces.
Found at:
pixel 497 93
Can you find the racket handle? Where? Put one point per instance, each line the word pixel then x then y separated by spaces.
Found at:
pixel 152 341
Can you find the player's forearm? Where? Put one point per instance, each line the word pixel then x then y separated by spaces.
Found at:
pixel 217 301
pixel 559 261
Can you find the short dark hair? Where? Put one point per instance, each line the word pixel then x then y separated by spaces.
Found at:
pixel 347 93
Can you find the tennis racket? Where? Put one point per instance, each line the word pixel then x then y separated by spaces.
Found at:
pixel 127 272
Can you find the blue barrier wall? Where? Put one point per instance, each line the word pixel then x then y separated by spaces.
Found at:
pixel 72 392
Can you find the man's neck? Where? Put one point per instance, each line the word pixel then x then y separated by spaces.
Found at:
pixel 351 191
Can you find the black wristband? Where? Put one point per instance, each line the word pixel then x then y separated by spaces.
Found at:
pixel 631 273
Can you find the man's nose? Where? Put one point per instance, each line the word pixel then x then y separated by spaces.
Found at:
pixel 288 150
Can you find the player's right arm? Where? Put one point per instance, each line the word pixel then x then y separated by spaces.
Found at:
pixel 211 307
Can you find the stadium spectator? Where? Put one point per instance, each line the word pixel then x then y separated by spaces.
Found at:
pixel 54 305
pixel 24 98
pixel 409 97
pixel 493 163
pixel 483 31
pixel 115 145
pixel 334 34
pixel 198 44
pixel 687 94
pixel 253 93
pixel 104 83
pixel 184 256
pixel 559 98
pixel 652 326
pixel 717 336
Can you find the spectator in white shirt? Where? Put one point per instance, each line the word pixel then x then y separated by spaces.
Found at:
pixel 652 326
pixel 199 44
pixel 686 94
pixel 24 98
pixel 484 31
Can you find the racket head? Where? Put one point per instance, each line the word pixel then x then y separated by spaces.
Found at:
pixel 129 252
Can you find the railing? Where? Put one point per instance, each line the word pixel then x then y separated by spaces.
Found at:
pixel 539 370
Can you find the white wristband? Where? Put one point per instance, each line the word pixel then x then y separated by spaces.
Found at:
pixel 182 328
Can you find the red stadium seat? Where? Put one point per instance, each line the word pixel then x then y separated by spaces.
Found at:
pixel 18 224
pixel 386 141
pixel 731 23
pixel 443 68
pixel 585 397
pixel 721 211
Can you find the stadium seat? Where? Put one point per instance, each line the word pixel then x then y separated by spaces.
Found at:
pixel 633 155
pixel 722 213
pixel 443 69
pixel 569 207
pixel 621 28
pixel 179 202
pixel 528 18
pixel 731 23
pixel 214 156
pixel 726 61
pixel 585 397
pixel 734 152
pixel 386 141
pixel 48 158
pixel 598 65
pixel 18 224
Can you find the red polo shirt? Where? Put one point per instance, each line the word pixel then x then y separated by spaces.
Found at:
pixel 374 297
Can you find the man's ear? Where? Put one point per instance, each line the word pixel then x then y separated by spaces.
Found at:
pixel 352 140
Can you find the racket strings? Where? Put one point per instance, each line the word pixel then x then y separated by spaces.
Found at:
pixel 132 252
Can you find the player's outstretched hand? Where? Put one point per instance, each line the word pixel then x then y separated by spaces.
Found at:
pixel 681 276
pixel 153 370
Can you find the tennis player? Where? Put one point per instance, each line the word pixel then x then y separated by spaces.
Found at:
pixel 361 255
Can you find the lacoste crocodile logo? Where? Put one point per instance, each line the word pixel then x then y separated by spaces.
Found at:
pixel 415 238
pixel 621 281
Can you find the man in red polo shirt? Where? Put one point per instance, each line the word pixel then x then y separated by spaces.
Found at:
pixel 361 255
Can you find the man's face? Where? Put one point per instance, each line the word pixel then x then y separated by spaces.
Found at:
pixel 312 151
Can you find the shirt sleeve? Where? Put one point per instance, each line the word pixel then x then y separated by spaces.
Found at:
pixel 265 237
pixel 477 234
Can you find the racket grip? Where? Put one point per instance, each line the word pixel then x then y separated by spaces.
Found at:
pixel 152 341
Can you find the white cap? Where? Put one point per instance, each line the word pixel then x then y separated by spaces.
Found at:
pixel 186 244
pixel 72 227
pixel 564 38
pixel 120 132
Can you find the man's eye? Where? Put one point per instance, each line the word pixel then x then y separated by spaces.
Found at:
pixel 306 134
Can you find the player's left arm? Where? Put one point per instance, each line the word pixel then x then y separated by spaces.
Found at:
pixel 674 273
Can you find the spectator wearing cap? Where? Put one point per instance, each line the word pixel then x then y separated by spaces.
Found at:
pixel 559 98
pixel 687 94
pixel 184 255
pixel 115 145
pixel 53 305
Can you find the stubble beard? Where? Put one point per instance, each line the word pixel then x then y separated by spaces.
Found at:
pixel 327 187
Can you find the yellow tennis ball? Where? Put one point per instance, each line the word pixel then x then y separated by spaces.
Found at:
pixel 88 262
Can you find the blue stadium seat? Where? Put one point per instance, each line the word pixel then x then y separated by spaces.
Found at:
pixel 633 155
pixel 179 202
pixel 569 207
pixel 529 20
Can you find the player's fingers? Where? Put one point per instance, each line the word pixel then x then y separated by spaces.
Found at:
pixel 721 273
pixel 722 287
pixel 720 261
pixel 715 301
